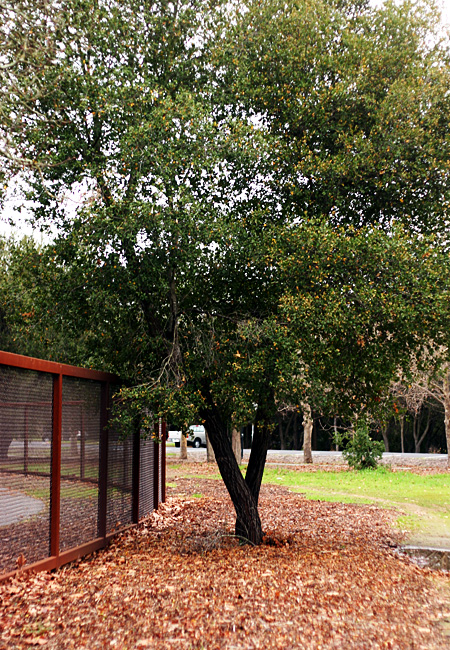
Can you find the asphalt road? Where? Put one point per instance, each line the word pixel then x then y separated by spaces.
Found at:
pixel 288 457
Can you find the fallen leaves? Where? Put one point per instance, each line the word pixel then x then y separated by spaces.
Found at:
pixel 326 577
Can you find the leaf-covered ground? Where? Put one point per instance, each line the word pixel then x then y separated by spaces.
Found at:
pixel 327 577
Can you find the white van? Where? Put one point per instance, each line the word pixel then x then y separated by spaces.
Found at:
pixel 196 436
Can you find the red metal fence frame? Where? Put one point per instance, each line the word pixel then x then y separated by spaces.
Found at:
pixel 58 371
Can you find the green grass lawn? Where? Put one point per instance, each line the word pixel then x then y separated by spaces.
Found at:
pixel 423 500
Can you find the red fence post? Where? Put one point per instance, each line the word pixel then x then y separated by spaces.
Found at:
pixel 82 445
pixel 25 442
pixel 55 491
pixel 103 462
pixel 163 461
pixel 135 477
pixel 156 468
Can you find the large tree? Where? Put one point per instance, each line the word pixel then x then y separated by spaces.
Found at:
pixel 180 209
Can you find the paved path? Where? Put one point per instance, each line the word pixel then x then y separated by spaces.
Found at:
pixel 287 457
pixel 15 506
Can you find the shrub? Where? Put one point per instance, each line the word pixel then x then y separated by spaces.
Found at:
pixel 360 451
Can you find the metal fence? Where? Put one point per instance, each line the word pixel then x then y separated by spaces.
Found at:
pixel 67 482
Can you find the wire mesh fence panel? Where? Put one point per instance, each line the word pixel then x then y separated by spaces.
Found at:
pixel 66 482
pixel 80 450
pixel 25 460
pixel 147 460
pixel 119 491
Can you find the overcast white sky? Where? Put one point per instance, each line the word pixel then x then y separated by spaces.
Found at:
pixel 23 229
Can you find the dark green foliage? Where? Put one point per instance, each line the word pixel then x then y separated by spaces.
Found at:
pixel 360 451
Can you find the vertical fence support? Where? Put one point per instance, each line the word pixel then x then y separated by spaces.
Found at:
pixel 103 462
pixel 55 490
pixel 26 437
pixel 163 460
pixel 82 445
pixel 157 451
pixel 135 480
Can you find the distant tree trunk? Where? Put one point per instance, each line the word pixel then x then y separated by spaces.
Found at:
pixel 236 444
pixel 307 432
pixel 280 431
pixel 384 433
pixel 418 439
pixel 446 390
pixel 242 491
pixel 402 433
pixel 210 458
pixel 296 432
pixel 6 439
pixel 73 443
pixel 183 447
pixel 335 432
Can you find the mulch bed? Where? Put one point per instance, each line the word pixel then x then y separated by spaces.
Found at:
pixel 326 577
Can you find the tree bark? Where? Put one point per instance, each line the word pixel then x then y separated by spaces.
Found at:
pixel 183 447
pixel 236 444
pixel 248 523
pixel 210 458
pixel 307 432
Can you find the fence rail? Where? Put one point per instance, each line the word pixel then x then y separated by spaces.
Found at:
pixel 68 484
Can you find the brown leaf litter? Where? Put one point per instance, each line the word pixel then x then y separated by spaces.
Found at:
pixel 327 577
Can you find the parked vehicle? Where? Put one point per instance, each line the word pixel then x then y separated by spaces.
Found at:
pixel 196 436
pixel 175 437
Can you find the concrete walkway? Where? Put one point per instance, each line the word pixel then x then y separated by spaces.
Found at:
pixel 16 506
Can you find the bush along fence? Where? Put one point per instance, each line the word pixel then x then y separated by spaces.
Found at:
pixel 68 484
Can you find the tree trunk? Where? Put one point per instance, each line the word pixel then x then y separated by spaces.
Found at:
pixel 384 433
pixel 307 432
pixel 296 432
pixel 280 431
pixel 415 435
pixel 427 426
pixel 402 433
pixel 335 433
pixel 446 390
pixel 210 458
pixel 236 444
pixel 257 460
pixel 248 523
pixel 183 447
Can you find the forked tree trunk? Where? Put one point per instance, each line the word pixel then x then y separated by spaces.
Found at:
pixel 183 447
pixel 210 458
pixel 307 432
pixel 243 492
pixel 248 523
pixel 446 390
